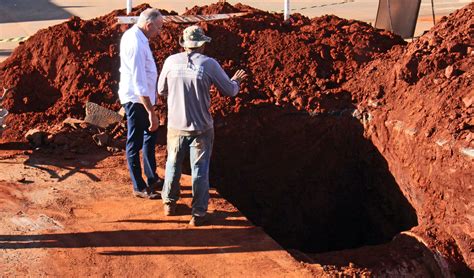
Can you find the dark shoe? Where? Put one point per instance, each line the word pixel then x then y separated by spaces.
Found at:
pixel 169 209
pixel 157 186
pixel 146 195
pixel 199 220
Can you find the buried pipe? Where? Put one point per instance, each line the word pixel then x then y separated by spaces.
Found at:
pixel 441 263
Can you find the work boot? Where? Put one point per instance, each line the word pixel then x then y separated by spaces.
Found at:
pixel 199 220
pixel 146 195
pixel 169 209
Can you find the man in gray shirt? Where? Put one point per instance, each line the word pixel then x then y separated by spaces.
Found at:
pixel 186 79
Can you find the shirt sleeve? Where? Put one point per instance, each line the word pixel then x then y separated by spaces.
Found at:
pixel 222 81
pixel 162 87
pixel 139 75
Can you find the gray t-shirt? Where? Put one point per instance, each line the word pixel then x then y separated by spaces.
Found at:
pixel 186 79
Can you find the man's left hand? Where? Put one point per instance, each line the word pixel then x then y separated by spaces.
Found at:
pixel 154 122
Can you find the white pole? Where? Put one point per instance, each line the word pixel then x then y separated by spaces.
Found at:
pixel 129 6
pixel 287 10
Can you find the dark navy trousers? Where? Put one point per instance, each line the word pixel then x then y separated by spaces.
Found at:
pixel 139 138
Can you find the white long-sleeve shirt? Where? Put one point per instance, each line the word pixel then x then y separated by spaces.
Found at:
pixel 138 71
pixel 186 80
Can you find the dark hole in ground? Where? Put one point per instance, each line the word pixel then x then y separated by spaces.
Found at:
pixel 37 94
pixel 314 183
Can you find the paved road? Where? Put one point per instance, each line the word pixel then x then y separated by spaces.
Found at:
pixel 21 18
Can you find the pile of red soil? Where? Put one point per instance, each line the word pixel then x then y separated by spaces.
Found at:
pixel 57 70
pixel 417 104
pixel 292 63
pixel 217 8
pixel 52 74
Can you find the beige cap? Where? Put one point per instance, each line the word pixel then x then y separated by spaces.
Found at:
pixel 193 37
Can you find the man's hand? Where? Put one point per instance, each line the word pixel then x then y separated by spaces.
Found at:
pixel 154 122
pixel 239 76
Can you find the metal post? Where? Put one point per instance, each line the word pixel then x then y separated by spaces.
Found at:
pixel 433 12
pixel 129 6
pixel 287 10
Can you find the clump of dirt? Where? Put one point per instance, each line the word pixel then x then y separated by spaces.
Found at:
pixel 418 107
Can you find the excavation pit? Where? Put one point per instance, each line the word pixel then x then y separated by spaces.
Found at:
pixel 314 183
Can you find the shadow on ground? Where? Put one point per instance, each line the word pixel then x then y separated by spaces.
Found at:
pixel 66 165
pixel 210 240
pixel 19 11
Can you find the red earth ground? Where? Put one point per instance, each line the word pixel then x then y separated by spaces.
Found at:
pixel 348 146
pixel 74 216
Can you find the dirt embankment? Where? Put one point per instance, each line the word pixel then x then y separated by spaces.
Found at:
pixel 53 74
pixel 417 103
pixel 57 70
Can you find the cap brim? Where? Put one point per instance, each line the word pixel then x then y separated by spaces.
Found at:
pixel 194 44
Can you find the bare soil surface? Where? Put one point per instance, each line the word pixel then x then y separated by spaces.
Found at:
pixel 75 216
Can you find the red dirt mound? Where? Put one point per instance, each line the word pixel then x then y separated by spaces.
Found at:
pixel 218 8
pixel 417 105
pixel 58 69
pixel 55 72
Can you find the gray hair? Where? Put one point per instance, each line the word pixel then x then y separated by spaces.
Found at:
pixel 148 15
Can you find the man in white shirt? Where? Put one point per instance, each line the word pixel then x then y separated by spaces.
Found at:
pixel 137 93
pixel 186 79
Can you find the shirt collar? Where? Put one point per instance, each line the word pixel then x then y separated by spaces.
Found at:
pixel 140 33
